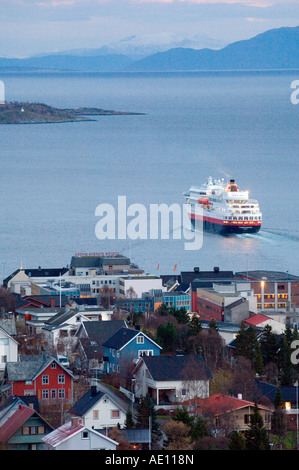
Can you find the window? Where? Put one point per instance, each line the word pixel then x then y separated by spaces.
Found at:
pixel 45 394
pixel 114 414
pixel 45 379
pixel 95 414
pixel 85 435
pixel 61 378
pixel 53 393
pixel 61 393
pixel 53 365
pixel 140 339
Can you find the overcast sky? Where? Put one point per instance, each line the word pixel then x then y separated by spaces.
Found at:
pixel 30 27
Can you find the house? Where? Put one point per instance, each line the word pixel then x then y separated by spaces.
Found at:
pixel 42 376
pixel 13 400
pixel 34 318
pixel 139 285
pixel 73 435
pixel 100 409
pixel 260 321
pixel 125 347
pixel 289 395
pixel 170 380
pixel 61 329
pixel 91 335
pixel 8 349
pixel 22 428
pixel 20 280
pixel 226 410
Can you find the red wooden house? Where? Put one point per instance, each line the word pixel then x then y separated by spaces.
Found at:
pixel 44 377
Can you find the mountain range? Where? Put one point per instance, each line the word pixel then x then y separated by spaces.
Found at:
pixel 272 50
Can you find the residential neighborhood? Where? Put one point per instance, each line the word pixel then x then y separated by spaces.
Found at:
pixel 200 365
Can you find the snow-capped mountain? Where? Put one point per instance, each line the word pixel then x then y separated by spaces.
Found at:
pixel 138 47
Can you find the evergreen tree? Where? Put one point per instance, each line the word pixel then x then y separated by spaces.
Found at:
pixel 213 325
pixel 286 367
pixel 195 326
pixel 268 344
pixel 129 422
pixel 146 417
pixel 279 419
pixel 166 335
pixel 256 436
pixel 237 441
pixel 247 345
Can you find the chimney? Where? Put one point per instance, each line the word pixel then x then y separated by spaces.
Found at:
pixel 52 302
pixel 216 269
pixel 196 269
pixel 75 421
pixel 93 391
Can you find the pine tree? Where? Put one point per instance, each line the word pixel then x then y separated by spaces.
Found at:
pixel 237 441
pixel 146 417
pixel 213 325
pixel 268 344
pixel 129 422
pixel 279 419
pixel 256 436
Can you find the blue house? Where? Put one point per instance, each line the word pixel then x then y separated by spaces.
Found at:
pixel 127 346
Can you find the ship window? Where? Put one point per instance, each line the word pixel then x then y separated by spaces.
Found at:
pixel 240 218
pixel 250 218
pixel 229 218
pixel 245 218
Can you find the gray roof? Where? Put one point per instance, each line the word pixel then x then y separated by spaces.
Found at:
pixel 180 367
pixel 121 338
pixel 267 275
pixel 86 402
pixel 97 333
pixel 28 369
pixel 136 436
pixel 61 317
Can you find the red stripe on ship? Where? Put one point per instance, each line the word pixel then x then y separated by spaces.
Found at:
pixel 226 222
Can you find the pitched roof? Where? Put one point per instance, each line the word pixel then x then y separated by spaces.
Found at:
pixel 219 404
pixel 28 400
pixel 29 369
pixel 63 433
pixel 20 415
pixel 86 402
pixel 97 333
pixel 256 319
pixel 184 367
pixel 122 337
pixel 67 430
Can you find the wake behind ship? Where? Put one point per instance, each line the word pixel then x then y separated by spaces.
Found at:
pixel 223 208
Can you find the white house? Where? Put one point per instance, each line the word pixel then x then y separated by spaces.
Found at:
pixel 100 409
pixel 140 285
pixel 8 349
pixel 170 380
pixel 74 435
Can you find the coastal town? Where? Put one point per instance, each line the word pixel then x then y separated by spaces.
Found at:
pixel 100 355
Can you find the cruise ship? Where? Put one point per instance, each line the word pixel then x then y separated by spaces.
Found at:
pixel 221 207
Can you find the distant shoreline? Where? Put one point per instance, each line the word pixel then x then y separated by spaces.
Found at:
pixel 39 113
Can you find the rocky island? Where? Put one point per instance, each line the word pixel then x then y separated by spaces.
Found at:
pixel 38 113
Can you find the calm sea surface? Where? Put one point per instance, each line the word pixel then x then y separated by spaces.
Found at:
pixel 230 125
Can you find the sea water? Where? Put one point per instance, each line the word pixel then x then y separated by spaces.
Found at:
pixel 239 125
